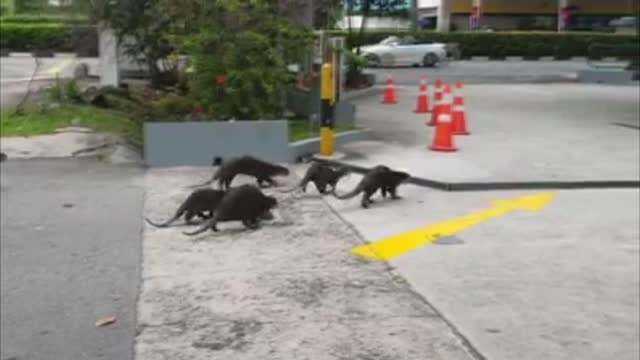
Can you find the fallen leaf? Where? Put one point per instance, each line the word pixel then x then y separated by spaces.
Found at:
pixel 105 321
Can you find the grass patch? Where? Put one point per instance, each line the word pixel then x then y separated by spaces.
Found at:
pixel 38 122
pixel 300 130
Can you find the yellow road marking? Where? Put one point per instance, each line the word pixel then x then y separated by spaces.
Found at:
pixel 59 67
pixel 399 244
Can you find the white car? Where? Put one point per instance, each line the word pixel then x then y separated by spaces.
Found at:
pixel 407 51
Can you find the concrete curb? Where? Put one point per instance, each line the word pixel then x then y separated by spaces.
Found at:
pixel 308 147
pixel 355 94
pixel 19 54
pixel 507 185
pixel 542 58
pixel 20 80
pixel 30 55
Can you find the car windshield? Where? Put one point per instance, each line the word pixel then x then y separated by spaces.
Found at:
pixel 390 40
pixel 394 40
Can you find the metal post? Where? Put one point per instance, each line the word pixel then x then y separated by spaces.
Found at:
pixel 337 45
pixel 327 96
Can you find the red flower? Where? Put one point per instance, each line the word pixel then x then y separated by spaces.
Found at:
pixel 220 79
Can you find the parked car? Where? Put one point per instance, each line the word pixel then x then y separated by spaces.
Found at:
pixel 406 51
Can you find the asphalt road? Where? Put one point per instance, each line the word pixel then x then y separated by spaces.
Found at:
pixel 71 254
pixel 15 73
pixel 483 72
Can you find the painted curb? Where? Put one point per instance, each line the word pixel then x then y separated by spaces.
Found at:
pixel 507 185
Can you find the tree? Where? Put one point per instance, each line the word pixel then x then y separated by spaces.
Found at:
pixel 239 61
pixel 143 27
pixel 326 13
pixel 367 8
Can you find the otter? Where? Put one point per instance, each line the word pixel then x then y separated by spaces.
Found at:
pixel 321 175
pixel 248 165
pixel 380 178
pixel 196 204
pixel 245 203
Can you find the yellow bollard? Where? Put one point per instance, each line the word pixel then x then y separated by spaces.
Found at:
pixel 327 95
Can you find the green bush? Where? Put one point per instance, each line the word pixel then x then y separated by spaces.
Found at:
pixel 57 37
pixel 64 92
pixel 630 52
pixel 501 44
pixel 170 106
pixel 35 19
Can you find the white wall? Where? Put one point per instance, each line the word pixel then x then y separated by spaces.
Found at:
pixel 428 3
pixel 375 22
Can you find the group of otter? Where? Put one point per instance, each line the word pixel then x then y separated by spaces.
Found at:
pixel 248 204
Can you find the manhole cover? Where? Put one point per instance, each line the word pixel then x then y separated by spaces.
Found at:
pixel 449 240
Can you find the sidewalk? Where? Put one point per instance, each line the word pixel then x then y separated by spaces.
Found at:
pixel 291 290
pixel 518 133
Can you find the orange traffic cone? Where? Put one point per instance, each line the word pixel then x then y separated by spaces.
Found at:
pixel 389 92
pixel 458 114
pixel 443 136
pixel 423 99
pixel 444 92
pixel 438 96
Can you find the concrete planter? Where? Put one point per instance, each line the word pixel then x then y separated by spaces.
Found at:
pixel 197 143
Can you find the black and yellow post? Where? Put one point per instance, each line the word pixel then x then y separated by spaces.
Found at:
pixel 327 95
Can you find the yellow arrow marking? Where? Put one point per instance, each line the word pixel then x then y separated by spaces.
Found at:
pixel 396 245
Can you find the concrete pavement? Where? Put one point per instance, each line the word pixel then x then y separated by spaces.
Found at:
pixel 560 283
pixel 70 252
pixel 290 290
pixel 15 73
pixel 566 132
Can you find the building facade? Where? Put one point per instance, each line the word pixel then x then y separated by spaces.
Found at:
pixel 452 15
pixel 581 15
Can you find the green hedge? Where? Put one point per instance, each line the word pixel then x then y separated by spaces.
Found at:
pixel 531 45
pixel 49 19
pixel 56 37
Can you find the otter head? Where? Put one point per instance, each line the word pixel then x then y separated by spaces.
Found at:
pixel 401 176
pixel 270 202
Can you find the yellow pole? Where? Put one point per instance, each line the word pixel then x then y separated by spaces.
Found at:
pixel 327 95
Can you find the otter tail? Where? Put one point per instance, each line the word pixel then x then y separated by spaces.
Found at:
pixel 353 193
pixel 175 216
pixel 202 228
pixel 162 225
pixel 297 186
pixel 289 190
